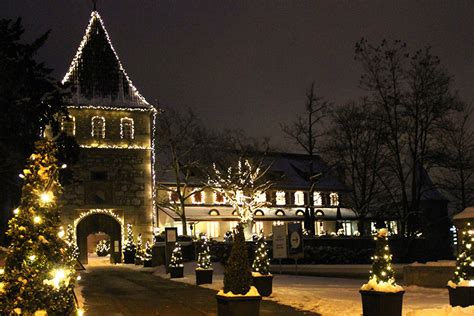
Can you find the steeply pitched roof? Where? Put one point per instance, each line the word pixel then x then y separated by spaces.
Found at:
pixel 96 75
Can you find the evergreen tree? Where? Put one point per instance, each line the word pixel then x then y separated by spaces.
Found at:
pixel 129 247
pixel 139 251
pixel 102 249
pixel 237 274
pixel 38 276
pixel 261 262
pixel 176 260
pixel 204 255
pixel 382 270
pixel 147 257
pixel 70 239
pixel 464 261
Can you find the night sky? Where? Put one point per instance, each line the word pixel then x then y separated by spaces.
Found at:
pixel 248 63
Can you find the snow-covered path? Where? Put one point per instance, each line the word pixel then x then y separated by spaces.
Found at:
pixel 328 296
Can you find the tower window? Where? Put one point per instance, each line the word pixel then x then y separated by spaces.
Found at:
pixel 98 127
pixel 280 198
pixel 299 198
pixel 68 125
pixel 334 199
pixel 127 128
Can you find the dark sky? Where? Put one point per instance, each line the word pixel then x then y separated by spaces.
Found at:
pixel 248 63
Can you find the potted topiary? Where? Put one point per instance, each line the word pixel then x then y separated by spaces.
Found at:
pixel 147 256
pixel 139 251
pixel 102 248
pixel 461 287
pixel 381 295
pixel 176 262
pixel 238 296
pixel 129 248
pixel 262 279
pixel 204 270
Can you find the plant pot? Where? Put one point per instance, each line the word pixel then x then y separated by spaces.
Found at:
pixel 176 272
pixel 263 284
pixel 204 276
pixel 128 257
pixel 461 296
pixel 138 261
pixel 147 263
pixel 238 305
pixel 376 303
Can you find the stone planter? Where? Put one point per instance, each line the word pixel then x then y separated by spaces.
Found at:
pixel 147 263
pixel 129 257
pixel 381 303
pixel 238 305
pixel 176 272
pixel 204 276
pixel 263 284
pixel 461 296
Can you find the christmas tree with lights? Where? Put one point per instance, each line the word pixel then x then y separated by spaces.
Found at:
pixel 37 276
pixel 102 249
pixel 176 260
pixel 148 255
pixel 237 274
pixel 382 276
pixel 464 273
pixel 261 263
pixel 204 255
pixel 129 248
pixel 70 239
pixel 139 251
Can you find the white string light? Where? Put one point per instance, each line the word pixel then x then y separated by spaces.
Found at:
pixel 108 212
pixel 127 122
pixel 99 122
pixel 124 146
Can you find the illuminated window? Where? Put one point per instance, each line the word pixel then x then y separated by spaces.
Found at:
pixel 235 213
pixel 213 229
pixel 198 197
pixel 280 198
pixel 68 125
pixel 173 196
pixel 300 213
pixel 127 128
pixel 317 199
pixel 262 198
pixel 334 199
pixel 98 127
pixel 219 198
pixel 240 197
pixel 299 198
pixel 214 213
pixel 258 213
pixel 280 213
pixel 257 227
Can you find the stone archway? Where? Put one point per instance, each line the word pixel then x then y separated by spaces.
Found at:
pixel 95 223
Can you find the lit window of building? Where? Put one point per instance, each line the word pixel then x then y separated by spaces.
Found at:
pixel 127 128
pixel 213 229
pixel 262 197
pixel 173 197
pixel 240 197
pixel 98 127
pixel 280 198
pixel 299 198
pixel 257 227
pixel 317 199
pixel 334 199
pixel 68 125
pixel 219 198
pixel 198 197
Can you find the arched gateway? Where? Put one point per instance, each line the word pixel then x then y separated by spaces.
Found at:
pixel 96 223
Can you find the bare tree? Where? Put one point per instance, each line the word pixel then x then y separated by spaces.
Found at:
pixel 411 95
pixel 306 132
pixel 243 186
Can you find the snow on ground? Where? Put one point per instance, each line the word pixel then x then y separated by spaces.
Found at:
pixel 334 296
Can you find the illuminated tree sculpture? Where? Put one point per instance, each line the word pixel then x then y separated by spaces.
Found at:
pixel 204 255
pixel 129 248
pixel 70 239
pixel 464 273
pixel 176 260
pixel 139 251
pixel 102 249
pixel 261 263
pixel 148 255
pixel 37 276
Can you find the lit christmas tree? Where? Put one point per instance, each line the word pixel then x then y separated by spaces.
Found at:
pixel 70 239
pixel 382 276
pixel 464 273
pixel 237 274
pixel 38 277
pixel 129 248
pixel 261 262
pixel 204 255
pixel 139 251
pixel 102 249
pixel 148 255
pixel 176 260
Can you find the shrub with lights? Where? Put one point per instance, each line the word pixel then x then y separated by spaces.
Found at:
pixel 139 251
pixel 262 279
pixel 147 255
pixel 461 287
pixel 129 248
pixel 204 270
pixel 382 295
pixel 70 239
pixel 176 265
pixel 37 277
pixel 102 249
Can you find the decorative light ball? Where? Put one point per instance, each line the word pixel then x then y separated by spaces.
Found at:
pixel 16 211
pixel 37 219
pixel 47 197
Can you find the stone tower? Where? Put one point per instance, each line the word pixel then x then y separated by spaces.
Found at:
pixel 114 127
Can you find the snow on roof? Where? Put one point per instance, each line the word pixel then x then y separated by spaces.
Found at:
pixel 96 74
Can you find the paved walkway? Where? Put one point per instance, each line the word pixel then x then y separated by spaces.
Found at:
pixel 120 290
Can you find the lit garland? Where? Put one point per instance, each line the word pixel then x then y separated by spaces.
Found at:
pixel 127 120
pixel 102 146
pixel 108 212
pixel 95 122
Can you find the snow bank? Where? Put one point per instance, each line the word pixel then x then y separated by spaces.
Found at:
pixel 381 286
pixel 440 263
pixel 258 274
pixel 252 292
pixel 453 285
pixel 443 311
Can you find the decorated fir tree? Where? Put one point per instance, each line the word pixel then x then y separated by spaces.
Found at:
pixel 237 274
pixel 38 277
pixel 464 273
pixel 70 239
pixel 261 262
pixel 382 276
pixel 129 248
pixel 139 250
pixel 103 247
pixel 204 255
pixel 147 256
pixel 176 260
